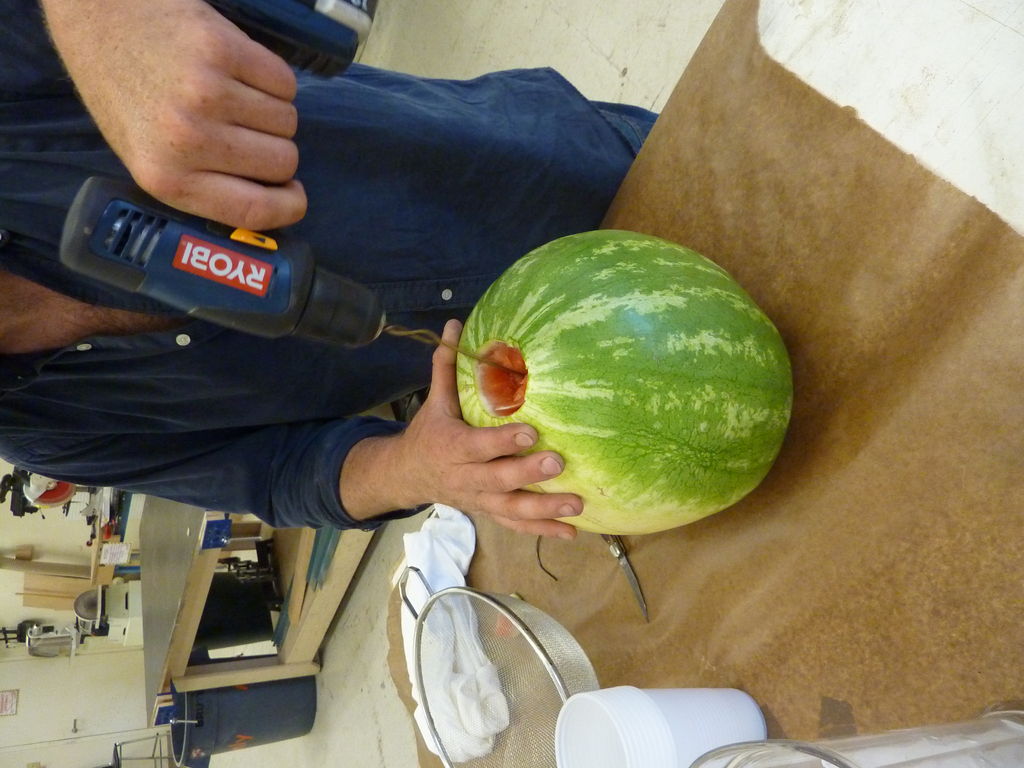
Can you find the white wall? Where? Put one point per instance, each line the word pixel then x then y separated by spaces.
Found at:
pixel 100 693
pixel 86 752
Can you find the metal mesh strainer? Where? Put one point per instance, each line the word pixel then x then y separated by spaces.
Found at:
pixel 492 673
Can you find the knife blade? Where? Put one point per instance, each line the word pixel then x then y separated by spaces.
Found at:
pixel 618 550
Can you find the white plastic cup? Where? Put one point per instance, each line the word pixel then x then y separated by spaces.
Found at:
pixel 626 727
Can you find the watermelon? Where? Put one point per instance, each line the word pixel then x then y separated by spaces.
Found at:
pixel 663 386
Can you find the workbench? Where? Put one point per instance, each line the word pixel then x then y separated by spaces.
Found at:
pixel 176 577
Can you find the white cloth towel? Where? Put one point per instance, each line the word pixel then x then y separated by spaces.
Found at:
pixel 466 700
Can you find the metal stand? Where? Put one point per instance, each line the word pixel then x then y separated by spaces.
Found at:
pixel 160 756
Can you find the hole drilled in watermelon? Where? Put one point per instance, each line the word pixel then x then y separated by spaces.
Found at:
pixel 502 391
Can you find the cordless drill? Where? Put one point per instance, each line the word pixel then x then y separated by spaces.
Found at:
pixel 252 282
pixel 320 36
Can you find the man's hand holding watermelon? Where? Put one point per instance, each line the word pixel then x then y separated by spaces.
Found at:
pixel 440 458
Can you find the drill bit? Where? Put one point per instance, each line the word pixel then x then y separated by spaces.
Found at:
pixel 429 337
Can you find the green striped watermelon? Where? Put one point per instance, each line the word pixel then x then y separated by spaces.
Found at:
pixel 666 390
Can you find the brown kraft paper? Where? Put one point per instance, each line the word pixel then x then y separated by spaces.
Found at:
pixel 874 580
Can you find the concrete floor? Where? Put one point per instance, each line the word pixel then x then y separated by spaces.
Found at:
pixel 614 51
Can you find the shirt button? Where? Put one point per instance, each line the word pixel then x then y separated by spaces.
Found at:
pixel 84 347
pixel 446 294
pixel 183 339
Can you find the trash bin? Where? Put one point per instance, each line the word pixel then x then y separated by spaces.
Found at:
pixel 236 613
pixel 238 717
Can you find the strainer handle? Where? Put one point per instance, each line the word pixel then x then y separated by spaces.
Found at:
pixel 402 588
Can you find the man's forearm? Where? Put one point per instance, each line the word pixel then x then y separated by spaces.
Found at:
pixel 373 481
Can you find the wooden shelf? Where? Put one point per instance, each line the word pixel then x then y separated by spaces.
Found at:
pixel 182 585
pixel 319 605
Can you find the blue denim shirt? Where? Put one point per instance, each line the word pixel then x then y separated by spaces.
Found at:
pixel 424 189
